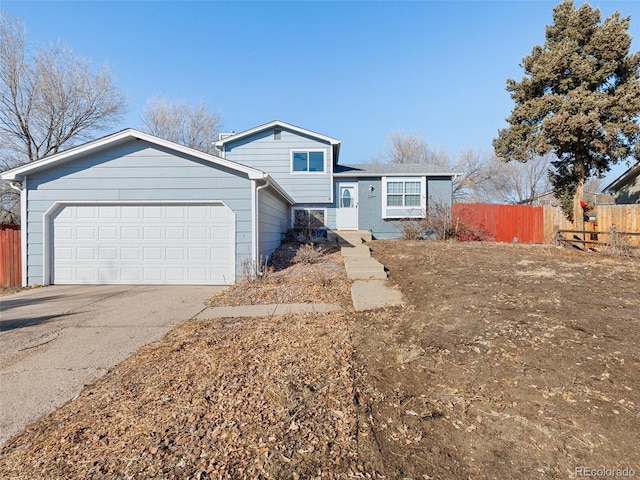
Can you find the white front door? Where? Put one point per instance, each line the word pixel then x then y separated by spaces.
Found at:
pixel 347 211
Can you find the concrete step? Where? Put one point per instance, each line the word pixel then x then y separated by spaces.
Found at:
pixel 361 270
pixel 372 294
pixel 353 237
pixel 359 251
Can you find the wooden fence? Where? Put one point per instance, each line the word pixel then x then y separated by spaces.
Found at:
pixel 504 223
pixel 625 218
pixel 10 256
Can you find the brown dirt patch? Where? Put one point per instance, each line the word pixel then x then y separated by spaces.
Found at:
pixel 510 362
pixel 507 362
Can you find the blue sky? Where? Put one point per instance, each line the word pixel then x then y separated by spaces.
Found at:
pixel 354 70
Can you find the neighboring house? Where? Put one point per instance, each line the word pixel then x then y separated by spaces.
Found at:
pixel 131 208
pixel 626 188
pixel 591 197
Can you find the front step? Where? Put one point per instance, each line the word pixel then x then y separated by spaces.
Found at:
pixel 352 237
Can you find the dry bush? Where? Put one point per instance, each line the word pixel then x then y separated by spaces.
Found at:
pixel 308 254
pixel 253 271
pixel 439 223
pixel 619 244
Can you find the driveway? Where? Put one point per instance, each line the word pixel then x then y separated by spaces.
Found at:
pixel 55 340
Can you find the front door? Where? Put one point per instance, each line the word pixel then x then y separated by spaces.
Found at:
pixel 347 212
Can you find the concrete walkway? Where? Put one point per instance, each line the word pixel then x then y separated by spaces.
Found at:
pixel 370 289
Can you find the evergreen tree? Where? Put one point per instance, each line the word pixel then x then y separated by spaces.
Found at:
pixel 579 98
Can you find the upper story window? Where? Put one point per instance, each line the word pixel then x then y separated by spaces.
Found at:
pixel 308 161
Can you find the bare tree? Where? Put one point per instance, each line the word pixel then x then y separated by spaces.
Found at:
pixel 49 99
pixel 521 183
pixel 181 123
pixel 476 171
pixel 474 168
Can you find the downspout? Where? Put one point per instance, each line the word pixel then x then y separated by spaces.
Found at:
pixel 256 239
pixel 17 188
pixel 21 188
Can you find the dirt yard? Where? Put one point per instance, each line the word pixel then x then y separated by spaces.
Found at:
pixel 508 361
pixel 512 362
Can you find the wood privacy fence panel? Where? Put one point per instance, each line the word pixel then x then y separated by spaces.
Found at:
pixel 10 256
pixel 626 218
pixel 503 223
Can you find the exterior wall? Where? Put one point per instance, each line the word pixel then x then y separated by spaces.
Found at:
pixel 273 221
pixel 135 171
pixel 370 210
pixel 439 190
pixel 263 152
pixel 370 204
pixel 629 192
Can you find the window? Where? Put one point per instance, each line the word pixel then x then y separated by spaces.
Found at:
pixel 308 219
pixel 307 161
pixel 403 193
pixel 403 197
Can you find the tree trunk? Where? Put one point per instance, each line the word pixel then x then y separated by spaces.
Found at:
pixel 578 213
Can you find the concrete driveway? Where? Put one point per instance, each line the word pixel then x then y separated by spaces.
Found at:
pixel 55 340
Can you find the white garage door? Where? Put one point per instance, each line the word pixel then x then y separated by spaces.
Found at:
pixel 143 244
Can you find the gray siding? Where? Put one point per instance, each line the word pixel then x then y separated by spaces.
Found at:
pixel 135 171
pixel 370 205
pixel 263 152
pixel 273 221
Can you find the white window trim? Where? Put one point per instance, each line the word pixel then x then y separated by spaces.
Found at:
pixel 294 209
pixel 400 211
pixel 308 150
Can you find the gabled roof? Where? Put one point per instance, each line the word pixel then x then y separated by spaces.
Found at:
pixel 123 136
pixel 284 125
pixel 622 179
pixel 392 169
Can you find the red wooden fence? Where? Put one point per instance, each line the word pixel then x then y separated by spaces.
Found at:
pixel 503 223
pixel 10 257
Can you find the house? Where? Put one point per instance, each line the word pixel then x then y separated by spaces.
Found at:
pixel 590 196
pixel 131 208
pixel 626 188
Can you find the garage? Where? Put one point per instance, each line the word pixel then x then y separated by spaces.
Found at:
pixel 132 243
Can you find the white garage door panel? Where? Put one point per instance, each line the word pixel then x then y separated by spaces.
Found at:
pixel 143 244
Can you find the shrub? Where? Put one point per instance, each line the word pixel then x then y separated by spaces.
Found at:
pixel 307 253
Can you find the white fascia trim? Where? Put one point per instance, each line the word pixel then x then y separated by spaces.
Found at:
pixel 279 189
pixel 46 224
pixel 130 133
pixel 618 182
pixel 382 175
pixel 274 124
